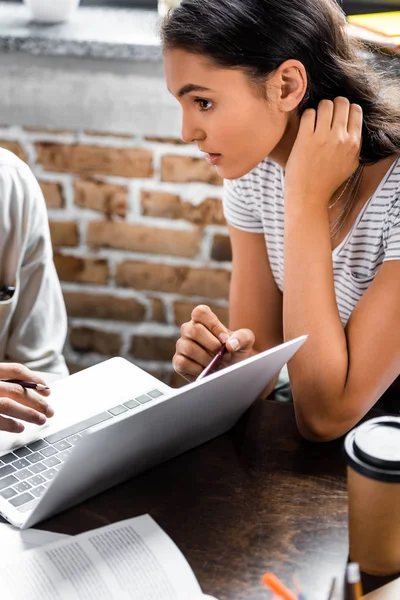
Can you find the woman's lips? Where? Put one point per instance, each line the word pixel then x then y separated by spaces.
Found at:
pixel 213 159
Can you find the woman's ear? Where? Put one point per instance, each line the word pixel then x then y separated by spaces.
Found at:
pixel 290 85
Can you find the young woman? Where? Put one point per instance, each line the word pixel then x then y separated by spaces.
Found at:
pixel 307 138
pixel 32 313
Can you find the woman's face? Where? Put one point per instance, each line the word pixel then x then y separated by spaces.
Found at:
pixel 224 113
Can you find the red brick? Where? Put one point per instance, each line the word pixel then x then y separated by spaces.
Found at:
pixel 157 311
pixel 170 206
pixel 153 348
pixel 52 193
pixel 221 248
pixel 104 306
pixel 85 339
pixel 15 148
pixel 166 140
pixel 124 136
pixel 64 233
pixel 183 311
pixel 183 169
pixel 110 199
pixel 82 270
pixel 140 238
pixel 209 283
pixel 88 160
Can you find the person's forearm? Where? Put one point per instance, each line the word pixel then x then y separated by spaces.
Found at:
pixel 318 371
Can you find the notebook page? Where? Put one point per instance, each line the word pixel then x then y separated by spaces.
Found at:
pixel 133 559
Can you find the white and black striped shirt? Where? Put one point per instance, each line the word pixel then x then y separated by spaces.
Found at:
pixel 255 203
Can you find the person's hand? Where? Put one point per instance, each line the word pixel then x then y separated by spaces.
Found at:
pixel 17 402
pixel 326 151
pixel 200 340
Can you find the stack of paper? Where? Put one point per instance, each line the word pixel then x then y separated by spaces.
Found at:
pixel 133 559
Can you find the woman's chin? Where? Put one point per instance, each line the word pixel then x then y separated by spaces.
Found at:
pixel 236 171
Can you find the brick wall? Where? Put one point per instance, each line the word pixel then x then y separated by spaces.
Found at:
pixel 139 239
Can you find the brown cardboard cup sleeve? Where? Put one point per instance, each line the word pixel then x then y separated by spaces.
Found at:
pixel 373 477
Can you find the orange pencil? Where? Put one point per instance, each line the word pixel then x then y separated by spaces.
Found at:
pixel 275 585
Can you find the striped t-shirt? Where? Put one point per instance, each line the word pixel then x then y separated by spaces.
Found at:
pixel 255 203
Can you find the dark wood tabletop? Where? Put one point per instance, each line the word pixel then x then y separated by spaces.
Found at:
pixel 258 498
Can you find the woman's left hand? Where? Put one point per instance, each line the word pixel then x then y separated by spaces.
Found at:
pixel 326 151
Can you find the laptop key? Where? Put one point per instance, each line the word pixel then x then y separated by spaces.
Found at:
pixel 143 399
pixel 22 452
pixel 52 461
pixel 37 467
pixel 24 474
pixel 50 474
pixel 155 393
pixel 117 410
pixel 38 445
pixel 49 451
pixel 74 439
pixel 39 491
pixel 131 404
pixel 35 457
pixel 20 500
pixel 36 480
pixel 21 464
pixel 7 481
pixel 22 486
pixel 63 445
pixel 6 470
pixel 63 455
pixel 28 506
pixel 8 493
pixel 78 427
pixel 9 458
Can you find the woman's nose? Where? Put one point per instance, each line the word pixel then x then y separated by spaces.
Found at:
pixel 190 133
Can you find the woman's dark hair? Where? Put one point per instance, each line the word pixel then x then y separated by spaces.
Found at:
pixel 257 36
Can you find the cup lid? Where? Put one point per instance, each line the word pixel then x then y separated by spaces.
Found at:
pixel 373 448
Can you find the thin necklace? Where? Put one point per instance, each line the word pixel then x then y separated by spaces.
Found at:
pixel 341 219
pixel 350 179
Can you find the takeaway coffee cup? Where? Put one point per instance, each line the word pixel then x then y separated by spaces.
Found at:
pixel 373 477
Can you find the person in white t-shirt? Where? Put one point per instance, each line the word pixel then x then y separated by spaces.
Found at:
pixel 307 138
pixel 33 320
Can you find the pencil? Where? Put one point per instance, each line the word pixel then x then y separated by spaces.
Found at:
pixel 332 593
pixel 353 580
pixel 214 363
pixel 272 582
pixel 30 385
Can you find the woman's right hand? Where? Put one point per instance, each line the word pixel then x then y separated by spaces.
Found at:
pixel 17 402
pixel 200 340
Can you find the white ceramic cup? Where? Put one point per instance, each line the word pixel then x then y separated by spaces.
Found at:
pixel 52 11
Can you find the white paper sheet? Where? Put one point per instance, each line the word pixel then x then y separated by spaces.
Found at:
pixel 14 541
pixel 133 559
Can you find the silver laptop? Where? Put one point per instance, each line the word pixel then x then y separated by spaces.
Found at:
pixel 113 421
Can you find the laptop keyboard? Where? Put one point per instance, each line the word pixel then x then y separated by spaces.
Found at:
pixel 26 472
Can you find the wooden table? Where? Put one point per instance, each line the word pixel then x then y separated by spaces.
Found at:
pixel 255 499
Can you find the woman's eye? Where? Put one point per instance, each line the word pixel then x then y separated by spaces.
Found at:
pixel 204 105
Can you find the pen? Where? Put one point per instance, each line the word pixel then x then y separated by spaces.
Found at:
pixel 353 582
pixel 332 593
pixel 272 582
pixel 31 385
pixel 214 363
